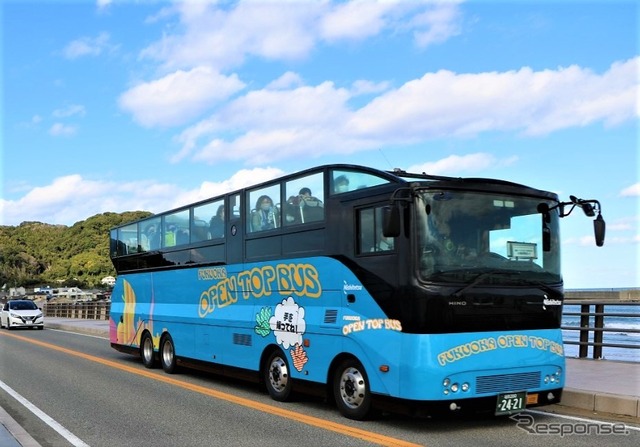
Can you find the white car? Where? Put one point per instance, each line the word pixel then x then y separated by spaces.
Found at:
pixel 21 313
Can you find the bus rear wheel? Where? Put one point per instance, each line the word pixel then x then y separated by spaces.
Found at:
pixel 168 354
pixel 146 351
pixel 277 378
pixel 351 390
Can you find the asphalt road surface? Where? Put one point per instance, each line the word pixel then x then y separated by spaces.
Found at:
pixel 71 389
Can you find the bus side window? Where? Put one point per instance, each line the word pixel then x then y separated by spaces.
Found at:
pixel 370 230
pixel 176 229
pixel 208 221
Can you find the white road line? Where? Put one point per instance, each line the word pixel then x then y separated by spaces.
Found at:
pixel 66 434
pixel 579 419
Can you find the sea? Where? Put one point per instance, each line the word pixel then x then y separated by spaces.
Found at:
pixel 622 333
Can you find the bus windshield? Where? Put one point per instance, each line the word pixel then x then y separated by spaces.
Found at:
pixel 465 234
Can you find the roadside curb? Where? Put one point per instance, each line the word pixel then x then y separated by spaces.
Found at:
pixel 12 434
pixel 97 331
pixel 601 402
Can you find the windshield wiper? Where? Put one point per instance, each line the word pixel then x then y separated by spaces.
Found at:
pixel 480 278
pixel 539 284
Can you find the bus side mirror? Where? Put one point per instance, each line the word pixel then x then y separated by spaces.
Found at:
pixel 391 221
pixel 543 209
pixel 599 230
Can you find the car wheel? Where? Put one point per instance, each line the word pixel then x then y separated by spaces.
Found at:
pixel 351 390
pixel 168 355
pixel 146 351
pixel 277 378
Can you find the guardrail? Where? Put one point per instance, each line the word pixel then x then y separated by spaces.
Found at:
pixel 88 310
pixel 595 321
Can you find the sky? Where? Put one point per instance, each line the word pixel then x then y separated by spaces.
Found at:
pixel 114 106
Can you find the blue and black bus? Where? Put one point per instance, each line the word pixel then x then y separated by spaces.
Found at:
pixel 378 289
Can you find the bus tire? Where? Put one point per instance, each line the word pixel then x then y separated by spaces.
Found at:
pixel 146 351
pixel 168 354
pixel 351 390
pixel 277 378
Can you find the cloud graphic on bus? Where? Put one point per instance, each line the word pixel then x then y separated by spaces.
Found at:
pixel 288 323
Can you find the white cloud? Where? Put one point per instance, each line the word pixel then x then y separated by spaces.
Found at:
pixel 287 80
pixel 437 25
pixel 103 4
pixel 87 46
pixel 355 20
pixel 178 97
pixel 241 179
pixel 268 125
pixel 70 110
pixel 274 124
pixel 364 87
pixel 456 164
pixel 631 191
pixel 62 130
pixel 223 36
pixel 72 198
pixel 449 104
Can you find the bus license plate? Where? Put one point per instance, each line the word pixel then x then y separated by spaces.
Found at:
pixel 510 403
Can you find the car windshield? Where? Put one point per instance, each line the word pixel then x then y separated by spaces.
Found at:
pixel 471 237
pixel 22 305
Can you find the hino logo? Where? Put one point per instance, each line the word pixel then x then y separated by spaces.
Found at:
pixel 550 302
pixel 457 303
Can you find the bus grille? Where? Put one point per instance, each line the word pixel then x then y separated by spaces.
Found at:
pixel 507 382
pixel 330 316
pixel 242 339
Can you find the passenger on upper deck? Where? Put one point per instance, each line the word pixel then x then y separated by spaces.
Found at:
pixel 216 226
pixel 340 184
pixel 265 216
pixel 304 207
pixel 150 239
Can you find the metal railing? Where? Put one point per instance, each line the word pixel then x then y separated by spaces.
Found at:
pixel 89 310
pixel 594 322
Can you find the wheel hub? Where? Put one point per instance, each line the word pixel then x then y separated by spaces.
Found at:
pixel 278 374
pixel 352 387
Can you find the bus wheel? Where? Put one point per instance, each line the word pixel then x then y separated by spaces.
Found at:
pixel 276 377
pixel 167 354
pixel 351 390
pixel 146 351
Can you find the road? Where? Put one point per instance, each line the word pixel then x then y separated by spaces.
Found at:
pixel 96 396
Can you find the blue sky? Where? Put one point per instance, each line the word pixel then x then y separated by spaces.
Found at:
pixel 144 105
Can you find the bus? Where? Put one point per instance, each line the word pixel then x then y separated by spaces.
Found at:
pixel 378 290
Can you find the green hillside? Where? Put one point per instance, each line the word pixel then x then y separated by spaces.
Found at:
pixel 35 253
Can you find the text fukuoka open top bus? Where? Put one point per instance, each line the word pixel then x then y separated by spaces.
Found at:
pixel 379 289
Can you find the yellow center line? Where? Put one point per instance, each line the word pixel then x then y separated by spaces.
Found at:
pixel 365 435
